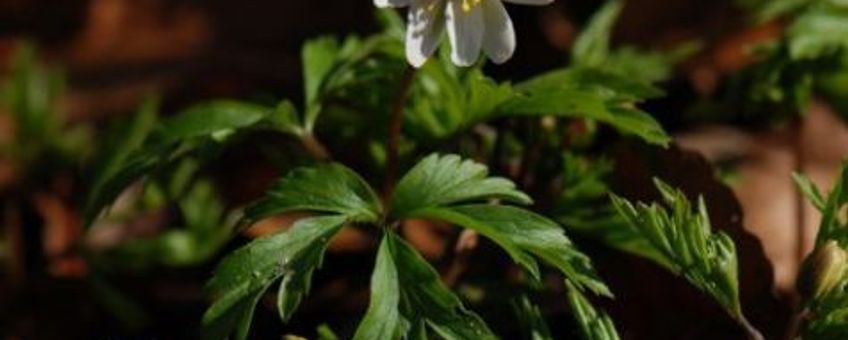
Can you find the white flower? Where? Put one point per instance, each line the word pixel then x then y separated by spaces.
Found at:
pixel 472 25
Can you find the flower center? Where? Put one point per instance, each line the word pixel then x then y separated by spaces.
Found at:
pixel 468 5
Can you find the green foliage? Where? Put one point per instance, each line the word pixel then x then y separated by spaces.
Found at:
pixel 592 50
pixel 686 244
pixel 329 188
pixel 39 135
pixel 30 95
pixel 444 180
pixel 589 93
pixel 524 235
pixel 819 30
pixel 791 69
pixel 531 318
pixel 198 128
pixel 243 277
pixel 416 302
pixel 648 67
pixel 584 207
pixel 408 299
pixel 198 233
pixel 594 325
pixel 823 280
pixel 834 226
pixel 203 128
pixel 810 190
pixel 592 45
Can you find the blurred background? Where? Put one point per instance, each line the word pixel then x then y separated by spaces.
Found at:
pixel 93 65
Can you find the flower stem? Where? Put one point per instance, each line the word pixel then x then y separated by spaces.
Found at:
pixel 395 129
pixel 752 332
pixel 314 147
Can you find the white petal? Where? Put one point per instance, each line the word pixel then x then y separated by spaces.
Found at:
pixel 530 2
pixel 465 30
pixel 499 35
pixel 392 3
pixel 424 30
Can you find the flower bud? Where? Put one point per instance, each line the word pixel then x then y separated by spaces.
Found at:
pixel 822 271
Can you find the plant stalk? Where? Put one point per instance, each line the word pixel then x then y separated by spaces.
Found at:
pixel 752 332
pixel 314 147
pixel 395 130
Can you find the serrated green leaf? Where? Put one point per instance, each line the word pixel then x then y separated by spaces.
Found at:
pixel 383 320
pixel 584 207
pixel 244 276
pixel 427 301
pixel 603 84
pixel 440 180
pixel 524 235
pixel 588 93
pixel 576 103
pixel 683 237
pixel 331 188
pixel 594 325
pixel 531 319
pixel 484 95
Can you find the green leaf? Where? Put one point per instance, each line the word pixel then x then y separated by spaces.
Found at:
pixel 175 137
pixel 592 45
pixel 821 30
pixel 833 225
pixel 684 239
pixel 243 277
pixel 648 67
pixel 823 279
pixel 209 119
pixel 594 325
pixel 588 93
pixel 285 118
pixel 330 188
pixel 427 301
pixel 383 319
pixel 523 235
pixel 584 207
pixel 531 318
pixel 440 180
pixel 770 9
pixel 809 189
pixel 576 103
pixel 319 57
pixel 484 96
pixel 30 95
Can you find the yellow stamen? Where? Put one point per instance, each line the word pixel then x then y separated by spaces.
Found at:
pixel 468 5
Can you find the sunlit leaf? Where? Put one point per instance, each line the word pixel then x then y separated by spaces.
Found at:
pixel 330 188
pixel 525 236
pixel 440 180
pixel 683 237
